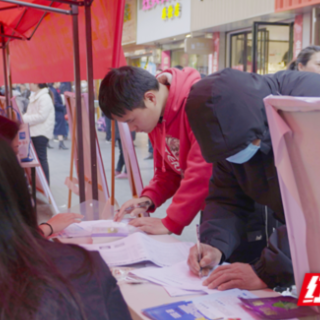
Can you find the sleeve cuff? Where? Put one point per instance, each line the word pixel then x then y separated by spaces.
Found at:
pixel 172 226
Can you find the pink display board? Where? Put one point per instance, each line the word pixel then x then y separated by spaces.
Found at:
pixel 130 159
pixel 294 127
pixel 103 192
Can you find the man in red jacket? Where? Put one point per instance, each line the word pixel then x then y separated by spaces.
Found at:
pixel 134 96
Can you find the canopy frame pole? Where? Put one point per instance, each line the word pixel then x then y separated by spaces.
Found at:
pixel 115 64
pixel 92 131
pixel 39 7
pixel 77 79
pixel 5 74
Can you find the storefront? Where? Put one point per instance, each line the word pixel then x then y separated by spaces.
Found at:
pixel 270 43
pixel 259 36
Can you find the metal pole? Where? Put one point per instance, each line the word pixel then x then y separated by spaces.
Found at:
pixel 254 47
pixel 76 61
pixel 38 6
pixel 4 57
pixel 92 131
pixel 115 64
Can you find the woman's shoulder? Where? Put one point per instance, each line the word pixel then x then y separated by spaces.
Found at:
pixel 70 258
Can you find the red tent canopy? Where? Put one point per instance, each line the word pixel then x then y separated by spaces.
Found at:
pixel 48 56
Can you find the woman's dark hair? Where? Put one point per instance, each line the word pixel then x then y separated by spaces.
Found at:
pixel 303 57
pixel 42 85
pixel 8 128
pixel 26 270
pixel 123 89
pixel 45 85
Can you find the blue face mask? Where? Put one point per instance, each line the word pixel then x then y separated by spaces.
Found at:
pixel 244 155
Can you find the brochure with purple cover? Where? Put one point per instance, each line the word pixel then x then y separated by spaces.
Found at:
pixel 277 308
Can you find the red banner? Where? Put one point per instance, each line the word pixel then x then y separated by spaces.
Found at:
pixel 48 56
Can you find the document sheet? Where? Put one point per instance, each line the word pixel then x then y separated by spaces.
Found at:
pixel 139 247
pixel 177 276
pixel 98 228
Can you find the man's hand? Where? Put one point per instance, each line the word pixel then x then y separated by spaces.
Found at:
pixel 235 275
pixel 131 206
pixel 211 256
pixel 150 225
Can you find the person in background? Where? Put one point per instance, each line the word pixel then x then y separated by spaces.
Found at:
pixel 150 151
pixel 43 279
pixel 133 95
pixel 40 116
pixel 120 164
pixel 108 129
pixel 65 87
pixel 60 128
pixel 25 92
pixel 307 60
pixel 9 131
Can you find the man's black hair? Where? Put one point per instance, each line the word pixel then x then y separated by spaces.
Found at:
pixel 123 89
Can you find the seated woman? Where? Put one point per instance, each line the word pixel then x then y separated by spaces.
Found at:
pixel 9 131
pixel 43 279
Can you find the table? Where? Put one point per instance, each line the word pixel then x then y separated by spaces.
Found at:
pixel 146 295
pixel 32 165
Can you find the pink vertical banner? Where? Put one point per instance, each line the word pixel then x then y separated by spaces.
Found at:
pixel 215 55
pixel 165 60
pixel 297 37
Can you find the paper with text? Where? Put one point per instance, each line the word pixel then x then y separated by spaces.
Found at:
pixel 139 247
pixel 177 276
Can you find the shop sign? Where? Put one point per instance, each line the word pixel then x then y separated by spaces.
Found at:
pixel 169 12
pixel 129 33
pixel 164 17
pixel 149 4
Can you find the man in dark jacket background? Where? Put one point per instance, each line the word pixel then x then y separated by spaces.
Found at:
pixel 227 116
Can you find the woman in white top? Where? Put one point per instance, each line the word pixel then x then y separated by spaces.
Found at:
pixel 41 118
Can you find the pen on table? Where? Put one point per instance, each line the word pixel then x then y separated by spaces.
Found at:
pixel 199 249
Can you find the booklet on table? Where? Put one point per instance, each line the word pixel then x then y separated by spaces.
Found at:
pixel 221 305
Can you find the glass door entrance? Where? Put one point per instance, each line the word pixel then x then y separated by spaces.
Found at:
pixel 267 49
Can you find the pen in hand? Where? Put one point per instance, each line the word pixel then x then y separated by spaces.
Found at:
pixel 199 249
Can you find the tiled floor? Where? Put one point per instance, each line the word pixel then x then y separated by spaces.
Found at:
pixel 59 163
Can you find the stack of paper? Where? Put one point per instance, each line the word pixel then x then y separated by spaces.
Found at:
pixel 177 280
pixel 98 228
pixel 138 247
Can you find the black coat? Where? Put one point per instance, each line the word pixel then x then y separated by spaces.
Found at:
pixel 60 110
pixel 97 288
pixel 226 113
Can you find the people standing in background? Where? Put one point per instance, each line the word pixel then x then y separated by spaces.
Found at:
pixel 150 150
pixel 40 116
pixel 60 128
pixel 65 87
pixel 307 60
pixel 108 128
